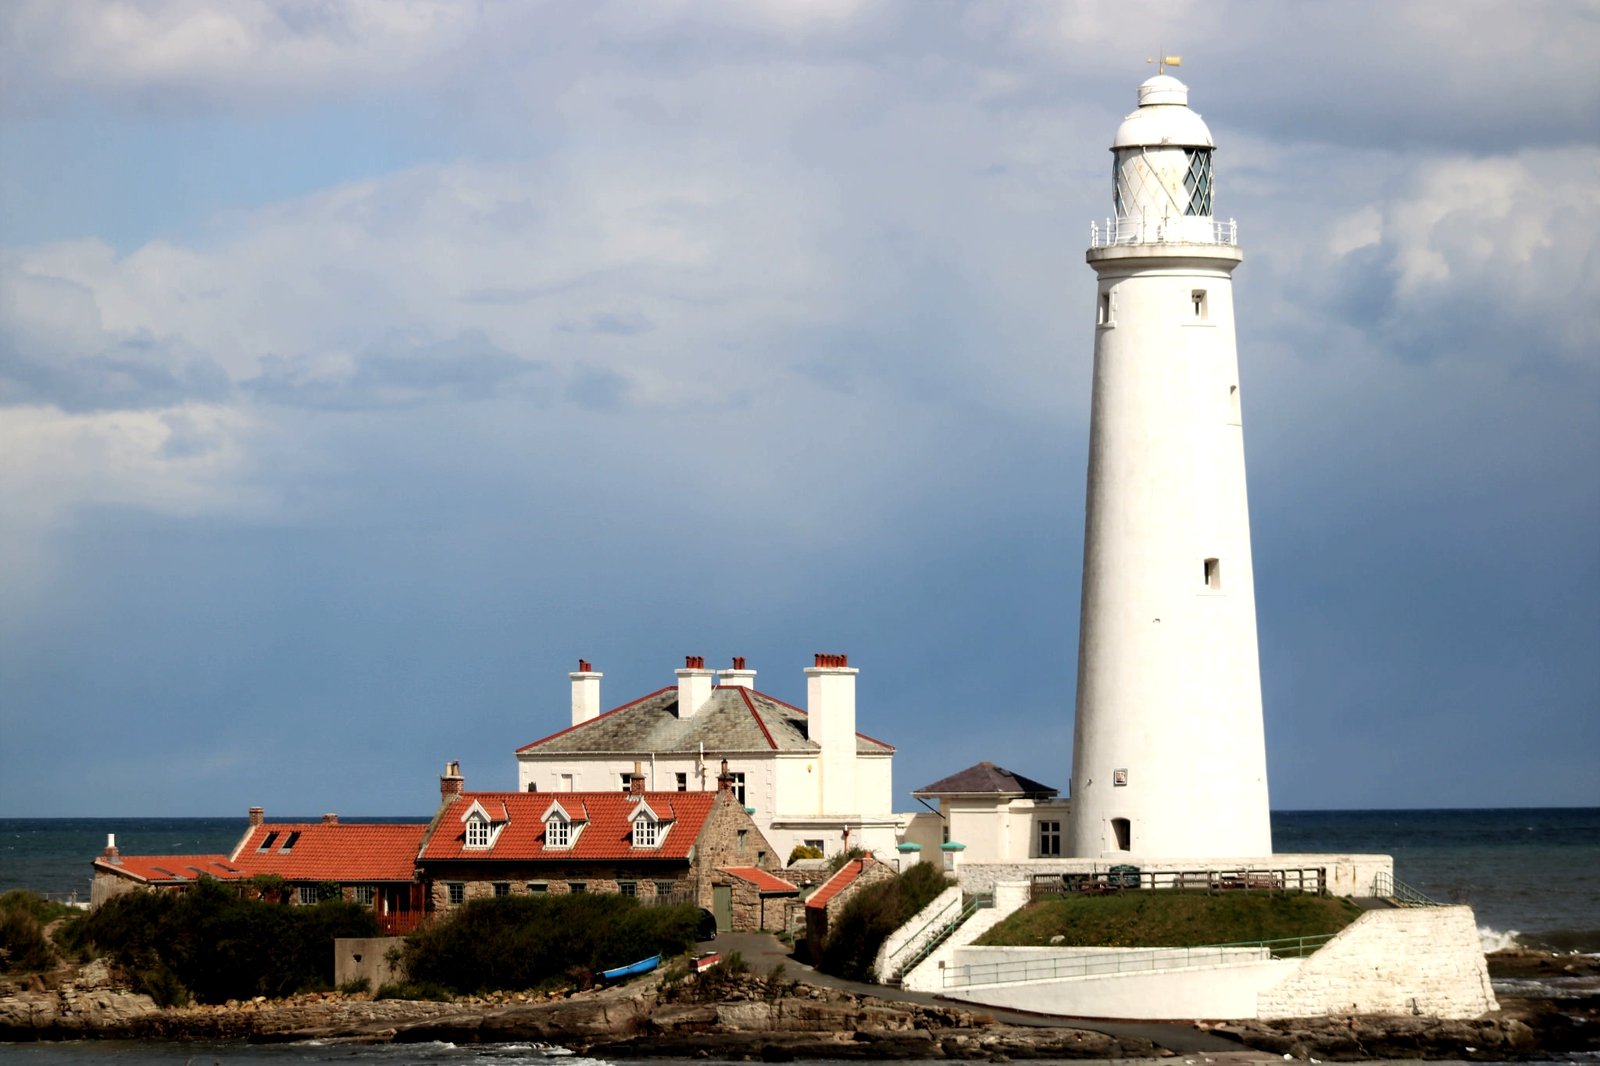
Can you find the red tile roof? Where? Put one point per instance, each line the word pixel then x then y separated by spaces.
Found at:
pixel 837 883
pixel 760 878
pixel 605 833
pixel 347 852
pixel 171 869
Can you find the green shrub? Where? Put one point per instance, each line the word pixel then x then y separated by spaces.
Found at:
pixel 24 948
pixel 356 986
pixel 802 852
pixel 219 946
pixel 412 990
pixel 872 914
pixel 515 942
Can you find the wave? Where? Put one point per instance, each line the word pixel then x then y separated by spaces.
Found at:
pixel 1557 941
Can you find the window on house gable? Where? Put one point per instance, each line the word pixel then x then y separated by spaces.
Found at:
pixel 683 782
pixel 738 787
pixel 557 833
pixel 646 832
pixel 477 833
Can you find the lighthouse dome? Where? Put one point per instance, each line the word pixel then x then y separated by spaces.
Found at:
pixel 1163 118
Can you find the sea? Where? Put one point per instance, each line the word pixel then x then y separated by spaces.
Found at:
pixel 1531 875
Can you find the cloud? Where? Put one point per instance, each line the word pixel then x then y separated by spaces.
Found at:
pixel 173 53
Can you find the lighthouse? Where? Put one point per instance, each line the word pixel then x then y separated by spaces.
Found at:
pixel 1169 752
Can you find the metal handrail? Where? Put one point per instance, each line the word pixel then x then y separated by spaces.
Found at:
pixel 954 904
pixel 1131 961
pixel 975 904
pixel 1132 229
pixel 1385 885
pixel 1312 880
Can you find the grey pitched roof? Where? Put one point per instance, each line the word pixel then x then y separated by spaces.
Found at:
pixel 985 778
pixel 735 719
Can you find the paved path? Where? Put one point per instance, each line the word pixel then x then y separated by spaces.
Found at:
pixel 763 951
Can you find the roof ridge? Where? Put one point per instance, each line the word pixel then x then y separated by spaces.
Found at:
pixel 750 705
pixel 596 718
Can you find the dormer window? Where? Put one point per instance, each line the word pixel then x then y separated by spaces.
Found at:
pixel 646 832
pixel 557 833
pixel 477 833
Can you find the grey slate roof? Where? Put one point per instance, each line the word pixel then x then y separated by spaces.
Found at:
pixel 985 778
pixel 735 719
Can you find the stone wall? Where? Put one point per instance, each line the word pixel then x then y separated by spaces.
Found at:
pixel 358 958
pixel 1412 960
pixel 559 878
pixel 729 837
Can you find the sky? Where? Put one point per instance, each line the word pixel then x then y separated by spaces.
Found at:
pixel 363 365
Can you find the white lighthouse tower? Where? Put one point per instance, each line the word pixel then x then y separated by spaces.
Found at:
pixel 1169 755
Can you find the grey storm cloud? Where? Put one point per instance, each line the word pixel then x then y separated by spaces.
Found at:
pixel 399 371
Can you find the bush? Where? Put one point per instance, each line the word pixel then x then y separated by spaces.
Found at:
pixel 876 911
pixel 516 942
pixel 215 945
pixel 802 852
pixel 24 948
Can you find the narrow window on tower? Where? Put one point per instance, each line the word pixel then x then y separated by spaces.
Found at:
pixel 1213 575
pixel 1233 405
pixel 1122 829
pixel 1198 298
pixel 1106 308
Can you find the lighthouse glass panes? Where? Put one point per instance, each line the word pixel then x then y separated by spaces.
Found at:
pixel 1197 182
pixel 1121 206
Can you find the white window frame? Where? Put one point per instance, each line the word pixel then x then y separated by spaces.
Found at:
pixel 557 833
pixel 646 832
pixel 478 833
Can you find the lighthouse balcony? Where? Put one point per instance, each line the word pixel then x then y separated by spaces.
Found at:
pixel 1186 229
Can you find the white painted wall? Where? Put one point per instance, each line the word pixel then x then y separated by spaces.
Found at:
pixel 929 974
pixel 905 941
pixel 1220 992
pixel 831 722
pixel 1412 960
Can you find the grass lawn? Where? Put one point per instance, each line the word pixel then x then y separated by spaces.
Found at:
pixel 1171 919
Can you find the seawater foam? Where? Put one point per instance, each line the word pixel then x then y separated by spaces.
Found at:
pixel 1493 940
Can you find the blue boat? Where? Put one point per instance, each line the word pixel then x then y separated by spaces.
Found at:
pixel 632 969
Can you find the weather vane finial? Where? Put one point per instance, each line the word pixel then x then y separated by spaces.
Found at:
pixel 1164 61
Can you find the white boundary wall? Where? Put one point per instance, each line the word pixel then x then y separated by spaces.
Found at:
pixel 917 932
pixel 1422 960
pixel 929 974
pixel 1413 960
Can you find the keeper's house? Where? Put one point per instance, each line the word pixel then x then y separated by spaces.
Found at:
pixel 806 776
pixel 373 864
pixel 657 846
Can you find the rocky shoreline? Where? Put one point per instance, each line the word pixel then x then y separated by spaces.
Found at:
pixel 758 1018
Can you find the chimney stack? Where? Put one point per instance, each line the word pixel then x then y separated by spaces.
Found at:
pixel 738 676
pixel 111 847
pixel 585 692
pixel 636 779
pixel 831 723
pixel 694 686
pixel 257 816
pixel 725 779
pixel 451 784
pixel 330 819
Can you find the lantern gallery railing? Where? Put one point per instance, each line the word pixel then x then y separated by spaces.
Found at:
pixel 1186 229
